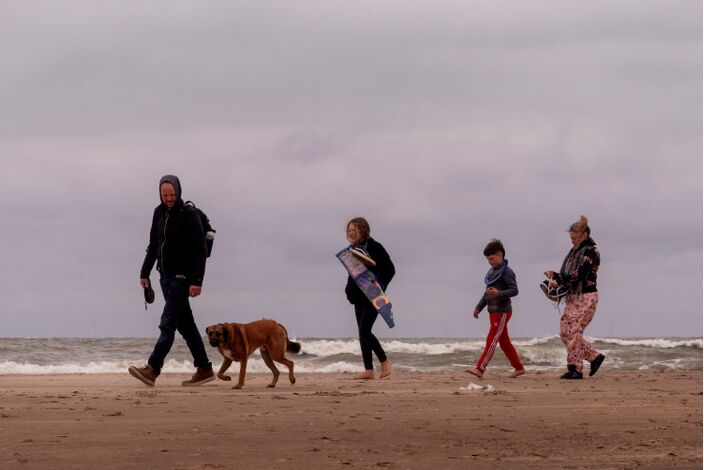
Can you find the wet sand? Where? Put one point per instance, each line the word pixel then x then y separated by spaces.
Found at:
pixel 616 419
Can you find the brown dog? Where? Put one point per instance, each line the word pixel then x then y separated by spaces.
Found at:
pixel 237 341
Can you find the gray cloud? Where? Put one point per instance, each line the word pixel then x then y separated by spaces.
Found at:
pixel 444 125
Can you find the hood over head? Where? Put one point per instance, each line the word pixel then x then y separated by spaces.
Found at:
pixel 174 182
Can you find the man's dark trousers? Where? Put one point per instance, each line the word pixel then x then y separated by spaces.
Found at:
pixel 178 316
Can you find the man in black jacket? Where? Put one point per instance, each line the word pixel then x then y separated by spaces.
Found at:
pixel 177 245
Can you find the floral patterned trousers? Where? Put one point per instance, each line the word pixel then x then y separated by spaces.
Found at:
pixel 579 311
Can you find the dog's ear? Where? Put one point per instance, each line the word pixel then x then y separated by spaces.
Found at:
pixel 207 331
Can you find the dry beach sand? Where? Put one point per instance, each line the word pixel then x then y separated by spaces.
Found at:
pixel 410 420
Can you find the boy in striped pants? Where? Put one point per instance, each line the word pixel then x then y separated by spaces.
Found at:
pixel 501 285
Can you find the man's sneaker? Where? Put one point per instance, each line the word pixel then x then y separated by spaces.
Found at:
pixel 595 364
pixel 201 376
pixel 147 375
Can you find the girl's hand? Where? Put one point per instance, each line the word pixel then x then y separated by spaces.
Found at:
pixel 549 274
pixel 476 313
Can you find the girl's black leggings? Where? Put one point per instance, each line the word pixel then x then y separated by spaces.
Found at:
pixel 366 316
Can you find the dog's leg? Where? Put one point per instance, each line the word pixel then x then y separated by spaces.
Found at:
pixel 243 371
pixel 282 359
pixel 267 359
pixel 226 361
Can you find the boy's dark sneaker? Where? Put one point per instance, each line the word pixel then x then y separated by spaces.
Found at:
pixel 201 376
pixel 595 364
pixel 147 375
pixel 572 373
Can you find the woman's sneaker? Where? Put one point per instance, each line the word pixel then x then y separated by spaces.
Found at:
pixel 572 373
pixel 201 376
pixel 595 364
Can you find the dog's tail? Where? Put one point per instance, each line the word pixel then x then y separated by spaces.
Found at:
pixel 291 346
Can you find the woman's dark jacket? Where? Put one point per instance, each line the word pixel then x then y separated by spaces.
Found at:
pixel 384 271
pixel 578 271
pixel 176 243
pixel 507 287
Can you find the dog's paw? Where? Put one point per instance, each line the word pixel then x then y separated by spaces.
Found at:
pixel 237 387
pixel 226 378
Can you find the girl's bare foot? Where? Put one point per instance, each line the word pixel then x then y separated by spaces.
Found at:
pixel 517 373
pixel 385 369
pixel 474 371
pixel 366 375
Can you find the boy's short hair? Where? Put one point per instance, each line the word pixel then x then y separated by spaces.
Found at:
pixel 493 247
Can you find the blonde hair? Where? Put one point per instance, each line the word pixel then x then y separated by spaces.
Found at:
pixel 581 226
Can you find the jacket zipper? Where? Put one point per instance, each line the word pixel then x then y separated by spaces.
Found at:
pixel 161 248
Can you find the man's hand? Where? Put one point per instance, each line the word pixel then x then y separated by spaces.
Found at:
pixel 194 291
pixel 492 292
pixel 144 283
pixel 476 313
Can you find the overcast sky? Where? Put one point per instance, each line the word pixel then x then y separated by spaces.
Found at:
pixel 444 123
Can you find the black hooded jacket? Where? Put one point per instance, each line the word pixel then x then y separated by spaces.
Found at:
pixel 384 271
pixel 176 240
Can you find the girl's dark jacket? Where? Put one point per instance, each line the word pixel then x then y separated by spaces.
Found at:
pixel 578 271
pixel 384 271
pixel 176 241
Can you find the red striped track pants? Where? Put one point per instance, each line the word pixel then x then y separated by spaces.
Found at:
pixel 498 334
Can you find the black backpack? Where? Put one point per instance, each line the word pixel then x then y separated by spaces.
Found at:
pixel 207 228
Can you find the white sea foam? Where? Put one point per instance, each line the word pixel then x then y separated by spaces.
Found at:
pixel 325 348
pixel 432 349
pixel 534 341
pixel 662 343
pixel 254 365
pixel 547 356
pixel 114 356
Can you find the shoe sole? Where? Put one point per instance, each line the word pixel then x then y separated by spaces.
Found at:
pixel 200 382
pixel 134 372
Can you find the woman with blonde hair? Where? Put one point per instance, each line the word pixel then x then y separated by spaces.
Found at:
pixel 578 276
pixel 358 234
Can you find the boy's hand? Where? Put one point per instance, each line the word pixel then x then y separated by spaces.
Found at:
pixel 476 313
pixel 492 292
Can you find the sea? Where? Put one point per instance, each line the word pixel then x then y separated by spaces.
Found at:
pixel 333 355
